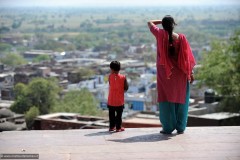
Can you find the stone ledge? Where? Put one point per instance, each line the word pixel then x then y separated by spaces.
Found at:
pixel 197 143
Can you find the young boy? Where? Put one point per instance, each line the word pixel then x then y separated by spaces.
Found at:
pixel 117 86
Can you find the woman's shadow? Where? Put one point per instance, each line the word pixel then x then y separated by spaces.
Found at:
pixel 154 137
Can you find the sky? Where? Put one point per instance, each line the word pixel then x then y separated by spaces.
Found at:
pixel 115 3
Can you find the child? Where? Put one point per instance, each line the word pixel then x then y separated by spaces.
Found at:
pixel 117 86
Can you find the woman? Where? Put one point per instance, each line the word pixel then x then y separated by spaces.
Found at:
pixel 175 63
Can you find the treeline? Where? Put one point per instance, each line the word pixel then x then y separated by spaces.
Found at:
pixel 43 96
pixel 220 70
pixel 118 25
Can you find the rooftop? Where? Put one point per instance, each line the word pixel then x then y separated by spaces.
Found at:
pixel 219 115
pixel 197 143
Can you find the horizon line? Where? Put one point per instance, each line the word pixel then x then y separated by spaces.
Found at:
pixel 114 6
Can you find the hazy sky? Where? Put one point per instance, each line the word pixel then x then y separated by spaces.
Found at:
pixel 119 3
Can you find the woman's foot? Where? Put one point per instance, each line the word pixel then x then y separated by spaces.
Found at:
pixel 163 132
pixel 180 132
pixel 120 130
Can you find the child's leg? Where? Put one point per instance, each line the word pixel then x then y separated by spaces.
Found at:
pixel 119 117
pixel 112 120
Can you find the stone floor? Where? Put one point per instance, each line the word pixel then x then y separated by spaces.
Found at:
pixel 197 143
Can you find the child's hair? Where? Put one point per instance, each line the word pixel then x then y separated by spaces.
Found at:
pixel 115 65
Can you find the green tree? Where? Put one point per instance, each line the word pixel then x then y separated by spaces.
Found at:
pixel 4 29
pixel 221 71
pixel 117 49
pixel 80 74
pixel 5 47
pixel 43 94
pixel 16 24
pixel 84 41
pixel 13 59
pixel 30 116
pixel 41 58
pixel 40 92
pixel 81 101
pixel 22 103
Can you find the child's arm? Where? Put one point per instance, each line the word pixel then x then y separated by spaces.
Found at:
pixel 125 85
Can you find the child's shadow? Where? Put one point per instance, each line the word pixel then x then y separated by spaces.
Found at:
pixel 145 138
pixel 103 133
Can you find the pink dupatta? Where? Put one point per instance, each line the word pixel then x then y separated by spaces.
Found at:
pixel 186 60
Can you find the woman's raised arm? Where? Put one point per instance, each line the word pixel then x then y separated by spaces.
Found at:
pixel 153 22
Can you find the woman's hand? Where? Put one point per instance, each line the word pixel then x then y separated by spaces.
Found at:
pixel 154 22
pixel 191 78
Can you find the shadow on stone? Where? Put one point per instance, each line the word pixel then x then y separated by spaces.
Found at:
pixel 99 133
pixel 145 138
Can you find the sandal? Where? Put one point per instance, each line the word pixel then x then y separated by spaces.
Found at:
pixel 112 129
pixel 120 130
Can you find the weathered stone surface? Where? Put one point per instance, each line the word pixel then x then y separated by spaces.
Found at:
pixel 197 143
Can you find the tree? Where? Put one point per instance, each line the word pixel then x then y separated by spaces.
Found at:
pixel 40 92
pixel 16 24
pixel 221 71
pixel 84 41
pixel 80 74
pixel 5 47
pixel 43 94
pixel 4 29
pixel 22 103
pixel 13 59
pixel 30 116
pixel 41 58
pixel 79 101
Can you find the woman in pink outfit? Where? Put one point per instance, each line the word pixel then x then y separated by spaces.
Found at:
pixel 175 63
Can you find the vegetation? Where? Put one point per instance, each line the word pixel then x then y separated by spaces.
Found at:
pixel 40 93
pixel 110 28
pixel 114 30
pixel 78 101
pixel 41 96
pixel 30 116
pixel 221 71
pixel 13 59
pixel 5 47
pixel 80 74
pixel 41 58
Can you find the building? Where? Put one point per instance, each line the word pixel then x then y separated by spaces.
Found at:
pixel 207 114
pixel 58 121
pixel 141 119
pixel 30 55
pixel 136 101
pixel 10 121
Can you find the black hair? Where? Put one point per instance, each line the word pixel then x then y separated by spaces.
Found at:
pixel 168 24
pixel 115 65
